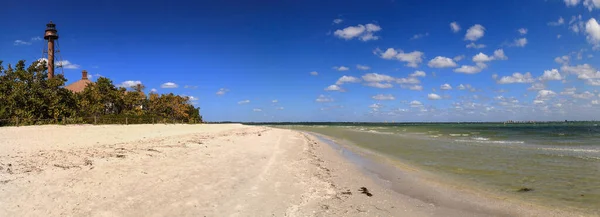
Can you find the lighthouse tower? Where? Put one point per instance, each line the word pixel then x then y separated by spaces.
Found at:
pixel 51 36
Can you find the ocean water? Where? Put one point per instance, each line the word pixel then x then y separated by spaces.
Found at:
pixel 559 161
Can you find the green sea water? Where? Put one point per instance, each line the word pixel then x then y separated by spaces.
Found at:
pixel 559 161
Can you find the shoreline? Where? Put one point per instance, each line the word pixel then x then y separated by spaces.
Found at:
pixel 409 180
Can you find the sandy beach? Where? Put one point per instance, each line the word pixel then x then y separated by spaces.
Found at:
pixel 203 170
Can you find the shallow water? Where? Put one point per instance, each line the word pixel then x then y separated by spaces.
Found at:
pixel 560 162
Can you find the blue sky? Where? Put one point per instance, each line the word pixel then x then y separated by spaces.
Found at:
pixel 389 60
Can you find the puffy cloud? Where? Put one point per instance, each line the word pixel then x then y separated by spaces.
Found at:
pixel 375 106
pixel 446 87
pixel 592 29
pixel 129 84
pixel 169 85
pixel 545 94
pixel 347 79
pixel 591 4
pixel 341 68
pixel 568 91
pixel 481 57
pixel 323 98
pixel 362 67
pixel 417 36
pixel 244 102
pixel 362 32
pixel 571 3
pixel 433 96
pixel 537 86
pixel 522 31
pixel 562 59
pixel 551 75
pixel 560 21
pixel 418 74
pixel 409 80
pixel 584 95
pixel 516 78
pixel 584 72
pixel 469 69
pixel 476 46
pixel 153 90
pixel 441 62
pixel 257 110
pixel 380 85
pixel 454 27
pixel 475 32
pixel 458 58
pixel 374 77
pixel 521 42
pixel 383 97
pixel 314 73
pixel 222 91
pixel 334 87
pixel 338 21
pixel 415 103
pixel 67 65
pixel 499 55
pixel 461 87
pixel 595 102
pixel 412 59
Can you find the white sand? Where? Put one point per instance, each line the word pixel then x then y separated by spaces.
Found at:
pixel 186 170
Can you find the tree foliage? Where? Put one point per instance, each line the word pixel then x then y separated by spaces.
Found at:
pixel 28 94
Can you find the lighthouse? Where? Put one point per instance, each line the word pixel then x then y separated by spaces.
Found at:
pixel 51 35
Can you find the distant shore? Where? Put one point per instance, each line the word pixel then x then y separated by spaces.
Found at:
pixel 213 170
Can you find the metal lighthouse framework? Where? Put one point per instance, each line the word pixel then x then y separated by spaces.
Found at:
pixel 51 36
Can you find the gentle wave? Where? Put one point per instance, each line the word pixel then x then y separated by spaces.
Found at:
pixel 490 142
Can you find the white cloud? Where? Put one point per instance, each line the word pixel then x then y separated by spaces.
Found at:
pixel 347 79
pixel 418 74
pixel 469 69
pixel 595 102
pixel 454 27
pixel 153 90
pixel 521 42
pixel 67 65
pixel 522 31
pixel 362 67
pixel 380 85
pixel 461 87
pixel 417 36
pixel 274 101
pixel 412 59
pixel 314 73
pixel 476 46
pixel 244 102
pixel 279 108
pixel 334 87
pixel 545 94
pixel 257 110
pixel 592 29
pixel 558 36
pixel 560 21
pixel 591 4
pixel 584 95
pixel 413 87
pixel 551 75
pixel 499 55
pixel 481 57
pixel 383 97
pixel 376 106
pixel 516 78
pixel 21 42
pixel 446 87
pixel 192 98
pixel 415 103
pixel 433 96
pixel 362 32
pixel 222 91
pixel 584 72
pixel 374 77
pixel 475 32
pixel 458 58
pixel 409 80
pixel 568 91
pixel 441 62
pixel 562 60
pixel 341 68
pixel 190 87
pixel 571 3
pixel 169 85
pixel 537 86
pixel 129 84
pixel 338 21
pixel 323 98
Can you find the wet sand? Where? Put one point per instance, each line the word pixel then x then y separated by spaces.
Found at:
pixel 207 170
